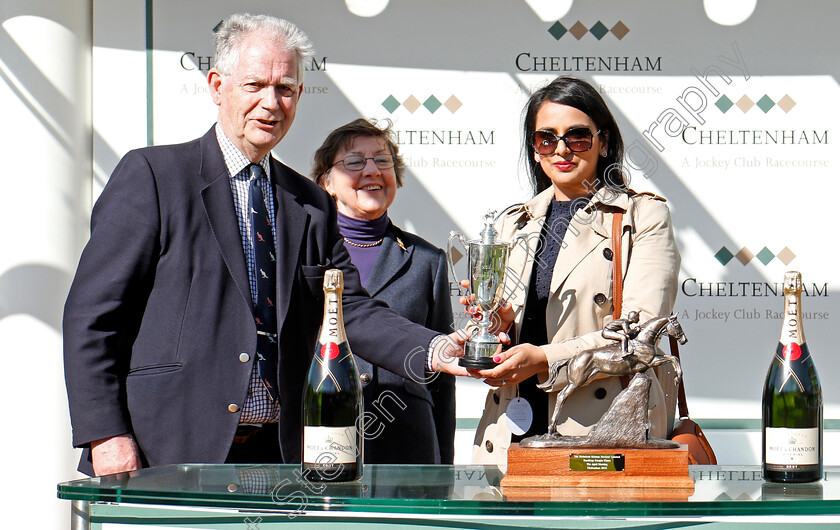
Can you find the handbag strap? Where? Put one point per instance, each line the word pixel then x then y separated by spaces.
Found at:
pixel 618 283
pixel 681 402
pixel 617 278
pixel 618 287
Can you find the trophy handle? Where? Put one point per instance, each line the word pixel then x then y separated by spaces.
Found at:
pixel 449 247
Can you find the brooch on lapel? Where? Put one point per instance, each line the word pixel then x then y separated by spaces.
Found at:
pixel 400 243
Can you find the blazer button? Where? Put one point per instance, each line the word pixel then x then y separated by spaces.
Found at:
pixel 600 298
pixel 366 378
pixel 244 357
pixel 608 253
pixel 489 446
pixel 495 398
pixel 600 392
pixel 233 407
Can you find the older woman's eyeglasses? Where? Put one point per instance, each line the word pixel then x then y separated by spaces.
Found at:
pixel 577 140
pixel 358 162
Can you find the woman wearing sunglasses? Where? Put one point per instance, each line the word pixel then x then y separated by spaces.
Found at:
pixel 558 308
pixel 406 422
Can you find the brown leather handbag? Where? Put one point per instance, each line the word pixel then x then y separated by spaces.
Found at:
pixel 686 431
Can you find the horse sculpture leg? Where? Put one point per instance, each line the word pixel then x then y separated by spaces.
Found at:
pixel 677 369
pixel 579 371
pixel 674 362
pixel 561 398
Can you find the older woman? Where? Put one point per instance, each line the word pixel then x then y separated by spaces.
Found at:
pixel 360 166
pixel 574 152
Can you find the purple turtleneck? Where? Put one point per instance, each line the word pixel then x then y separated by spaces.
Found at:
pixel 363 232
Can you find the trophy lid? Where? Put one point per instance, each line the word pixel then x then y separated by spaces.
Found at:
pixel 489 235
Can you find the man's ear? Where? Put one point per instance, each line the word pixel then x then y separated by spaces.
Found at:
pixel 214 81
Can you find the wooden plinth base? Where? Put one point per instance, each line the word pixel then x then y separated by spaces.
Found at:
pixel 663 469
pixel 625 494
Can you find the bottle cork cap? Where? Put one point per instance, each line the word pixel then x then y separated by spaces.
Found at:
pixel 793 281
pixel 333 280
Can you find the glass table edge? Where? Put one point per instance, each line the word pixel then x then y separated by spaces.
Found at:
pixel 77 491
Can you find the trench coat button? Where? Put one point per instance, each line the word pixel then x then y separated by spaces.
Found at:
pixel 244 357
pixel 600 298
pixel 233 407
pixel 365 377
pixel 600 392
pixel 489 446
pixel 608 253
pixel 495 398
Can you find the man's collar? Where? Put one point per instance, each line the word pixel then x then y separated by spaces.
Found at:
pixel 235 160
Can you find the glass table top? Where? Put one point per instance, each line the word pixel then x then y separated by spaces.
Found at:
pixel 718 490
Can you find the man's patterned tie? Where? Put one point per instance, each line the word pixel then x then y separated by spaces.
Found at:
pixel 265 263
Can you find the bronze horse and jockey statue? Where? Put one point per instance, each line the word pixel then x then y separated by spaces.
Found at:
pixel 634 352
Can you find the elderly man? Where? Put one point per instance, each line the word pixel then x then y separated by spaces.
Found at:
pixel 193 315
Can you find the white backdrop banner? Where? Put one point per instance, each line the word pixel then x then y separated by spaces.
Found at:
pixel 728 110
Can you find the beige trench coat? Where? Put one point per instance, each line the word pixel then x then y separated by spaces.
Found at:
pixel 580 304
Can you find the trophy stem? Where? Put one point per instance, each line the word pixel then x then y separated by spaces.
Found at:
pixel 480 348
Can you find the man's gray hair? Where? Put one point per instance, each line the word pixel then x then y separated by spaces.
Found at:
pixel 232 31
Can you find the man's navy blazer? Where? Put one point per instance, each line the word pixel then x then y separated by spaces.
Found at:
pixel 160 313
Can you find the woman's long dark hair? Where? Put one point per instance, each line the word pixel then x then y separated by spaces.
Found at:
pixel 582 96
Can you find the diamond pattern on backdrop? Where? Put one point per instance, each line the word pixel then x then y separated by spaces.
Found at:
pixel 412 104
pixel 745 255
pixel 598 30
pixel 765 103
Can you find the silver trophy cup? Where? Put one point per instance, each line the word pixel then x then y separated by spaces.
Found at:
pixel 486 265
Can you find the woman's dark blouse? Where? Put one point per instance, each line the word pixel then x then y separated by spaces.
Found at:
pixel 533 329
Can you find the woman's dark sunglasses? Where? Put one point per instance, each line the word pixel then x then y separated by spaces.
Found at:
pixel 577 140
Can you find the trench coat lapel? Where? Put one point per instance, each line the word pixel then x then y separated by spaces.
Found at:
pixel 528 220
pixel 589 228
pixel 391 260
pixel 579 241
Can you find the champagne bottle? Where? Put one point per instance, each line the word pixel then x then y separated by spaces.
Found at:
pixel 332 399
pixel 792 404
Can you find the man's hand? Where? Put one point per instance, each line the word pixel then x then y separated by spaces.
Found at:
pixel 114 455
pixel 447 352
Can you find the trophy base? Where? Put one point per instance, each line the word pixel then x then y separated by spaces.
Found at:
pixel 479 352
pixel 481 363
pixel 604 467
